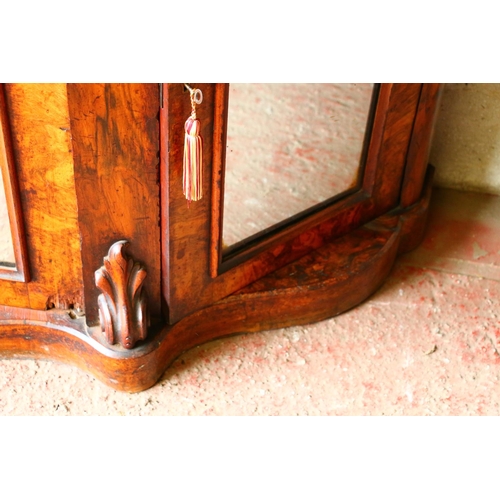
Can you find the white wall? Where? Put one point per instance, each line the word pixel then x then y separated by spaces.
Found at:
pixel 466 145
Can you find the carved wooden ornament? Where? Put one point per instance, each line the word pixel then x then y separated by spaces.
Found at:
pixel 122 305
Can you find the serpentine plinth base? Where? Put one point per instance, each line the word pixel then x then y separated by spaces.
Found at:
pixel 324 283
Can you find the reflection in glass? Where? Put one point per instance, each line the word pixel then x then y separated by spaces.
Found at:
pixel 289 147
pixel 7 257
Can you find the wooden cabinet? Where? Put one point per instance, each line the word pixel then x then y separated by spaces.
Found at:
pixel 114 271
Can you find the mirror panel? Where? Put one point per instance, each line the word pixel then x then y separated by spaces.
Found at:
pixel 289 147
pixel 7 256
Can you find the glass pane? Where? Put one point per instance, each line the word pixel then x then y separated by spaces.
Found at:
pixel 7 257
pixel 289 147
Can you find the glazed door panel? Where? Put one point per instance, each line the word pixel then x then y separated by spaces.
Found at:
pixel 290 147
pixel 195 273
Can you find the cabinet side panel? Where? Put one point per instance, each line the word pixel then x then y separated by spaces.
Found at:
pixel 398 129
pixel 115 132
pixel 418 154
pixel 41 144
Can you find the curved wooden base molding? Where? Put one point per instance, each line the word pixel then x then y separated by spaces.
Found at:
pixel 324 283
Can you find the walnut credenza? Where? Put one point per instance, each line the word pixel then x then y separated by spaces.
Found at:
pixel 115 274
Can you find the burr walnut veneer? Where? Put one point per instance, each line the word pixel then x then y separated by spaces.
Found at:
pixel 117 275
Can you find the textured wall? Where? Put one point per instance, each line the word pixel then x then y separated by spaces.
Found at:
pixel 466 145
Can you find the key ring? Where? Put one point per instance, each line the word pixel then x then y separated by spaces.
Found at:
pixel 196 94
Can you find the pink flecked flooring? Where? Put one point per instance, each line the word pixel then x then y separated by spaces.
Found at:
pixel 425 344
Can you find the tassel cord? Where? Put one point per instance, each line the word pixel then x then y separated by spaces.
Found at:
pixel 193 152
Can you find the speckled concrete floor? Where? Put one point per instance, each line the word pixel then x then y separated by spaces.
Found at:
pixel 425 344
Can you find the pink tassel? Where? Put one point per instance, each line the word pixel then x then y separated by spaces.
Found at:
pixel 192 167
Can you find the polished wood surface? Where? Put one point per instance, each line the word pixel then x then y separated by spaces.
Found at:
pixel 115 132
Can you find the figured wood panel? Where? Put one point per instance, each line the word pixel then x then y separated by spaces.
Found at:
pixel 115 132
pixel 189 281
pixel 41 144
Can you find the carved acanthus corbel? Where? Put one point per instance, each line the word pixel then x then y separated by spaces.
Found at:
pixel 122 305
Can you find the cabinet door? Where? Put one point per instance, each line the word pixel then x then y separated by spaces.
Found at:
pixel 37 158
pixel 195 270
pixel 13 257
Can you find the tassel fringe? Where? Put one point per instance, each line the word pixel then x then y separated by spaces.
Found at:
pixel 192 165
